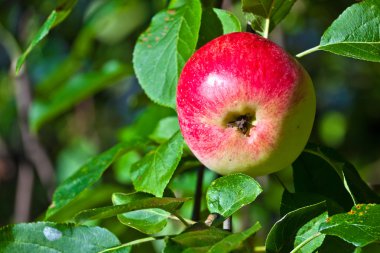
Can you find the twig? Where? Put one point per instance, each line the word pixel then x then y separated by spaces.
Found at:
pixel 24 192
pixel 32 147
pixel 7 164
pixel 218 4
pixel 227 224
pixel 198 195
pixel 181 219
pixel 188 221
pixel 210 218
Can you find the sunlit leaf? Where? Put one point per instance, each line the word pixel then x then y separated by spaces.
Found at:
pixel 165 129
pixel 307 231
pixel 228 194
pixel 360 226
pixel 162 50
pixel 153 172
pixel 148 221
pixel 355 33
pixel 49 237
pixel 200 238
pixel 146 122
pixel 230 22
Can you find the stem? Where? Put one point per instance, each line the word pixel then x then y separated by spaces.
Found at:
pixel 259 249
pixel 138 241
pixel 266 28
pixel 188 221
pixel 309 51
pixel 198 195
pixel 181 219
pixel 305 242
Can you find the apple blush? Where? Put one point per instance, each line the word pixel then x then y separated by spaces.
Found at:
pixel 245 105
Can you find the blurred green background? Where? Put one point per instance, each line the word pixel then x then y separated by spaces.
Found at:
pixel 84 99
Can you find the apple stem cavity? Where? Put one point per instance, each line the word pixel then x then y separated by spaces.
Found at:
pixel 243 123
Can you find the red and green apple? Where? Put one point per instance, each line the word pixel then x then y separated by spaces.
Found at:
pixel 245 105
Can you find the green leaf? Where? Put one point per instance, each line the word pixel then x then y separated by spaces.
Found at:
pixel 308 230
pixel 335 244
pixel 233 241
pixel 146 122
pixel 122 167
pixel 112 21
pixel 230 22
pixel 162 50
pixel 165 129
pixel 167 204
pixel 355 33
pixel 360 226
pixel 85 177
pixel 282 235
pixel 74 91
pixel 228 194
pixel 293 201
pixel 148 221
pixel 211 26
pixel 264 15
pixel 54 19
pixel 49 237
pixel 328 174
pixel 153 172
pixel 98 195
pixel 201 238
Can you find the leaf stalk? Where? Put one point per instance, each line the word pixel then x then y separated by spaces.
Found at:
pixel 299 246
pixel 309 51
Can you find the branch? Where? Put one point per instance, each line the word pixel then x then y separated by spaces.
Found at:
pixel 32 147
pixel 198 195
pixel 24 193
pixel 23 95
pixel 227 224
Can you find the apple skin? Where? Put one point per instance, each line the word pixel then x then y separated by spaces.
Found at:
pixel 245 74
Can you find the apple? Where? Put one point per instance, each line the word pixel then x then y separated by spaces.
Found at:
pixel 245 105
